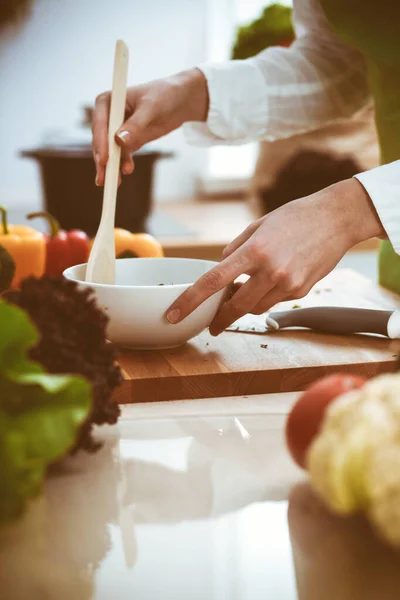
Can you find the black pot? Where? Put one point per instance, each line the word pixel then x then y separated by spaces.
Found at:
pixel 71 196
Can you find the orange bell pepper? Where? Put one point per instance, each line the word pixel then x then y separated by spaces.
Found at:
pixel 26 245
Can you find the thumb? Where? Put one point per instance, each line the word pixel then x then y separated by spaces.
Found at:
pixel 132 134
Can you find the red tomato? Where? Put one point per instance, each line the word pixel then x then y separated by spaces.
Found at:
pixel 305 418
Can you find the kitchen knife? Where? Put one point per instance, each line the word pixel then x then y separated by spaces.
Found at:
pixel 324 319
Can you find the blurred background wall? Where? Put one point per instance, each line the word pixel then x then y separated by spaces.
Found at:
pixel 60 57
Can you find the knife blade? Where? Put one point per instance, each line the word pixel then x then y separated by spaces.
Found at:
pixel 324 319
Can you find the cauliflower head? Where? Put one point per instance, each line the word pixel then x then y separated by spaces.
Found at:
pixel 354 462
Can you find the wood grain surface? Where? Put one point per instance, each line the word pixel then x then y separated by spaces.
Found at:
pixel 236 364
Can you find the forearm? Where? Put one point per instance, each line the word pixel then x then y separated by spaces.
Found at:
pixel 196 101
pixel 368 205
pixel 353 207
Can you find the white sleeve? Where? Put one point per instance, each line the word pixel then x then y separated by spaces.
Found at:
pixel 284 91
pixel 383 187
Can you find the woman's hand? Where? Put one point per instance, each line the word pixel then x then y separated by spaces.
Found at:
pixel 285 253
pixel 152 110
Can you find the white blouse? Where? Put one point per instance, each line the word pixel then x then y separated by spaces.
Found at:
pixel 286 91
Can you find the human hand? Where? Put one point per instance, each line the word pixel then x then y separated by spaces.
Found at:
pixel 152 110
pixel 285 253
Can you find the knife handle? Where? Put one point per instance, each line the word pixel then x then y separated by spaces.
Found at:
pixel 336 320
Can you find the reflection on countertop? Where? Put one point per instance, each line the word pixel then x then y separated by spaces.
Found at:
pixel 338 558
pixel 195 507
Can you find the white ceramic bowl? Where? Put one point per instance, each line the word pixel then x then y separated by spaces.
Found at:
pixel 137 304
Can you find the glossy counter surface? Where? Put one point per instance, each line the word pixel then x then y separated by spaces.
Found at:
pixel 192 500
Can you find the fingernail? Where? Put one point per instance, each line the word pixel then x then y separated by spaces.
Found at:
pixel 97 158
pixel 97 180
pixel 124 136
pixel 173 316
pixel 127 169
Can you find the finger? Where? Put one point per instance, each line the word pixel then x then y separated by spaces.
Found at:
pixel 232 289
pixel 240 304
pixel 100 132
pixel 100 178
pixel 270 299
pixel 127 164
pixel 100 175
pixel 209 284
pixel 240 239
pixel 132 134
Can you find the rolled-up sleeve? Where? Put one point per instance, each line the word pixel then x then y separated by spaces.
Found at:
pixel 284 91
pixel 383 187
pixel 238 104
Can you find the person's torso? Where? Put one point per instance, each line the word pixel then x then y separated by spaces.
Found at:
pixel 373 27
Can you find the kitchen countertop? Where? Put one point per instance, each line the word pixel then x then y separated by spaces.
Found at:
pixel 194 229
pixel 192 499
pixel 213 224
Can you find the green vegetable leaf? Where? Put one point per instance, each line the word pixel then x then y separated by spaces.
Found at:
pixel 273 27
pixel 39 413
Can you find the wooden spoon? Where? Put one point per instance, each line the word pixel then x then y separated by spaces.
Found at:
pixel 101 264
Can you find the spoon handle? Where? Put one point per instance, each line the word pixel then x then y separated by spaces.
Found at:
pixel 101 265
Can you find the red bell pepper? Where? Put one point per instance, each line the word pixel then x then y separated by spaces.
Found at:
pixel 64 248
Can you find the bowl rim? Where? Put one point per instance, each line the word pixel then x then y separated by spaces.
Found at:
pixel 174 286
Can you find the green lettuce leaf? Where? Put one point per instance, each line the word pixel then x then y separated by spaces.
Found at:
pixel 39 413
pixel 273 27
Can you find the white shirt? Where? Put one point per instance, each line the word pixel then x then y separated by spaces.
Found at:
pixel 286 91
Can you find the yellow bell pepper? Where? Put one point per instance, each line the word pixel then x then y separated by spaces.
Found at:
pixel 135 245
pixel 26 245
pixel 140 245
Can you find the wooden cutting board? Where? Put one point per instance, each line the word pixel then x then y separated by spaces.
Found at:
pixel 236 364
